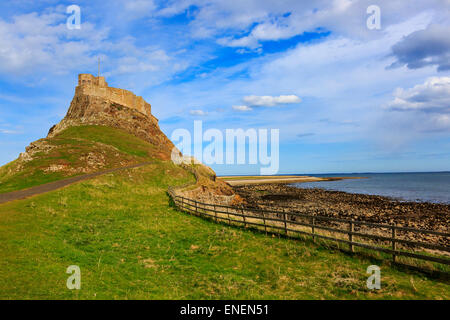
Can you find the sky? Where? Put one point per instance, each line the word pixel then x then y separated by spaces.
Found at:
pixel 346 97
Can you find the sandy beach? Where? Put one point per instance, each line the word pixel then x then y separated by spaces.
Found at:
pixel 254 180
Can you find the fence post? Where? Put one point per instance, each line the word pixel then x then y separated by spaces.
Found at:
pixel 351 228
pixel 312 228
pixel 243 217
pixel 196 207
pixel 285 221
pixel 228 214
pixel 394 245
pixel 264 219
pixel 182 203
pixel 215 211
pixel 188 206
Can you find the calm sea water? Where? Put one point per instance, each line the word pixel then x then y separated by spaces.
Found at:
pixel 420 187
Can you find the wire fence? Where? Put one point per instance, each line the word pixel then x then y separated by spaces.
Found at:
pixel 390 239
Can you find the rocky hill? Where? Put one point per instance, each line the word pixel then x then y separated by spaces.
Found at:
pixel 95 103
pixel 104 128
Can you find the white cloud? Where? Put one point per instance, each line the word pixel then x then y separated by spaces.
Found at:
pixel 142 60
pixel 416 112
pixel 140 6
pixel 33 42
pixel 443 120
pixel 344 80
pixel 431 96
pixel 38 46
pixel 198 113
pixel 242 108
pixel 270 101
pixel 6 131
pixel 247 23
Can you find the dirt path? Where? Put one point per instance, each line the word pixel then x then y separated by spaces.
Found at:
pixel 21 194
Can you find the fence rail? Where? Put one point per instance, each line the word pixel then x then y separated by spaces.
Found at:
pixel 290 224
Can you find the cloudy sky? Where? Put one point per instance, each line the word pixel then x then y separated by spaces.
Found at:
pixel 346 98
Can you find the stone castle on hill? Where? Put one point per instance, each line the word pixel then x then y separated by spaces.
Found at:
pixel 98 87
pixel 95 103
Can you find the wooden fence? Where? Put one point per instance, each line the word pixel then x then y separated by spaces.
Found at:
pixel 380 237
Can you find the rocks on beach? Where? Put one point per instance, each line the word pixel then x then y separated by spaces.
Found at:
pixel 359 207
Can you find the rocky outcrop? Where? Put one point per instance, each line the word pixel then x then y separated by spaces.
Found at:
pixel 206 188
pixel 39 146
pixel 89 107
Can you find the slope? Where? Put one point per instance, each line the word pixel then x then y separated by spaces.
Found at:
pixel 74 151
pixel 131 244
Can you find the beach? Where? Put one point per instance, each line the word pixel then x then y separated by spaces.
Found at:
pixel 254 180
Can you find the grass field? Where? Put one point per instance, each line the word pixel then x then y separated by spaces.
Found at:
pixel 130 244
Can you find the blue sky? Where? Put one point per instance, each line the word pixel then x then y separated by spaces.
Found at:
pixel 368 100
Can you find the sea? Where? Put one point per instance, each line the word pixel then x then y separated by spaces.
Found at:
pixel 418 187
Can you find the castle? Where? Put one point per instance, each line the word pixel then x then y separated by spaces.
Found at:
pixel 98 87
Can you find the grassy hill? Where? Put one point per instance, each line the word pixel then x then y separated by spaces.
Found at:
pixel 73 151
pixel 130 243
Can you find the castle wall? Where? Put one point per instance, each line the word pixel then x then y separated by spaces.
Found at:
pixel 97 86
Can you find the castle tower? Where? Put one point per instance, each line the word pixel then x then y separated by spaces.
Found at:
pixel 90 80
pixel 98 87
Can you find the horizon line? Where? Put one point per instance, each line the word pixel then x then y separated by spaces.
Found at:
pixel 294 174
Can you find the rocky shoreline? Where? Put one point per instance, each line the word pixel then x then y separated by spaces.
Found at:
pixel 359 207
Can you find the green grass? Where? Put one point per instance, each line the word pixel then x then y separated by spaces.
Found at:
pixel 131 244
pixel 69 145
pixel 117 138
